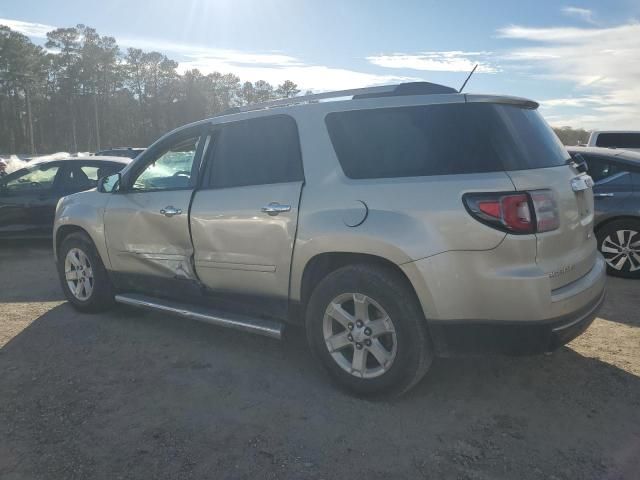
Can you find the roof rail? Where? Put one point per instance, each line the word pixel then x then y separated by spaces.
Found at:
pixel 412 88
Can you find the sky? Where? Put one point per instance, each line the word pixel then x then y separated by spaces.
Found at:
pixel 579 59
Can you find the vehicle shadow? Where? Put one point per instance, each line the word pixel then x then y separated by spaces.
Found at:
pixel 148 395
pixel 27 272
pixel 623 301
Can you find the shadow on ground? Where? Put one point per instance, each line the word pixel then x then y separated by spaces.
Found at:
pixel 149 396
pixel 27 272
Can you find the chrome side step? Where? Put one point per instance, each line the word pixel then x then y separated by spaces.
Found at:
pixel 268 328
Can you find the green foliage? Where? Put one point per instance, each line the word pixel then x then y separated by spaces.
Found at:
pixel 572 136
pixel 83 93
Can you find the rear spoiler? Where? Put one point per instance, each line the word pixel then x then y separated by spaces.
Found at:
pixel 501 99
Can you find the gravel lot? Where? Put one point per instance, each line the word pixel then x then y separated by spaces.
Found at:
pixel 141 395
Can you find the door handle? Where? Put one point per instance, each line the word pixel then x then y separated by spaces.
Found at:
pixel 274 208
pixel 601 195
pixel 170 211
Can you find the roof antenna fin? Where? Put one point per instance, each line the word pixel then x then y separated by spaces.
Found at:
pixel 465 82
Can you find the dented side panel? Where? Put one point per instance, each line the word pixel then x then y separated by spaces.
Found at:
pixel 142 240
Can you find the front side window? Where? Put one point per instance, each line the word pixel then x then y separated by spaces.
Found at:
pixel 258 151
pixel 35 179
pixel 171 169
pixel 600 168
pixel 441 140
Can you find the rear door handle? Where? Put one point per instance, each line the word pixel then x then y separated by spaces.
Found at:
pixel 170 211
pixel 274 208
pixel 601 195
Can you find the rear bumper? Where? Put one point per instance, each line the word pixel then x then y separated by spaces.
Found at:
pixel 473 306
pixel 512 338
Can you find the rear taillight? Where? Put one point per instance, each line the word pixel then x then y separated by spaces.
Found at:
pixel 519 213
pixel 546 210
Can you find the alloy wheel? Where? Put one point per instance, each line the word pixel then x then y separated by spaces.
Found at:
pixel 78 274
pixel 359 335
pixel 622 249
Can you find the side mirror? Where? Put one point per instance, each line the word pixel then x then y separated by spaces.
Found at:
pixel 110 183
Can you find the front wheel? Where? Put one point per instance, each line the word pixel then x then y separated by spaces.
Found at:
pixel 84 279
pixel 366 327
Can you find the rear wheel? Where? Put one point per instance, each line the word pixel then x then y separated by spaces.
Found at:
pixel 84 279
pixel 619 243
pixel 366 327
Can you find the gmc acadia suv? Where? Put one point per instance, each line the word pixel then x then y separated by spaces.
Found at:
pixel 401 223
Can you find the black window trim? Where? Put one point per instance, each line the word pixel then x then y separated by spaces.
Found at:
pixel 209 157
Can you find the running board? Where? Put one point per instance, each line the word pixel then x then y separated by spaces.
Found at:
pixel 268 328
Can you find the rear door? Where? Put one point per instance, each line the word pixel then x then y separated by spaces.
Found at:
pixel 244 218
pixel 147 222
pixel 28 200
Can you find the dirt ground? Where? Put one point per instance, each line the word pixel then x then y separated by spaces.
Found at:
pixel 141 395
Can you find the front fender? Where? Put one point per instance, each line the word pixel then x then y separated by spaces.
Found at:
pixel 84 211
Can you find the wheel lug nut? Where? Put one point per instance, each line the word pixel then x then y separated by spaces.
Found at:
pixel 367 342
pixel 359 346
pixel 367 331
pixel 350 326
pixel 350 337
pixel 359 323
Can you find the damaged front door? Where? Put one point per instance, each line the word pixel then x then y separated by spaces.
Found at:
pixel 147 221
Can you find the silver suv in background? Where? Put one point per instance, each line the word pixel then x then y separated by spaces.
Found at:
pixel 405 222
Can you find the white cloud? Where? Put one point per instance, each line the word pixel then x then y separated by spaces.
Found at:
pixel 446 61
pixel 582 13
pixel 602 65
pixel 30 29
pixel 574 102
pixel 308 77
pixel 274 67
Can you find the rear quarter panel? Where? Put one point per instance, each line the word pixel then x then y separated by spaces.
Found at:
pixel 405 219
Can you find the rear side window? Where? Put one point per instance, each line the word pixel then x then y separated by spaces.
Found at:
pixel 257 152
pixel 618 140
pixel 442 140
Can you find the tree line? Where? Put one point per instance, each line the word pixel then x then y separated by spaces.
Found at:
pixel 81 92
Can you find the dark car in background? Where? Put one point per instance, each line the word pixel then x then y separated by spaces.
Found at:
pixel 28 197
pixel 616 192
pixel 128 152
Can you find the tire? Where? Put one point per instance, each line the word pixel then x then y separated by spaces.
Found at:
pixel 78 258
pixel 380 292
pixel 619 243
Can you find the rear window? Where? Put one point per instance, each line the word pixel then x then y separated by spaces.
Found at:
pixel 442 140
pixel 618 140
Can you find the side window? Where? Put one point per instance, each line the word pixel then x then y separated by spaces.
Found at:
pixel 171 169
pixel 36 179
pixel 599 168
pixel 78 177
pixel 618 140
pixel 259 151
